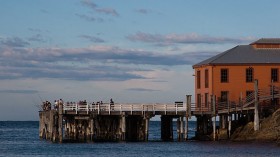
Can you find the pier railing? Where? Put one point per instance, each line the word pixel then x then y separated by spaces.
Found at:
pixel 125 107
pixel 267 98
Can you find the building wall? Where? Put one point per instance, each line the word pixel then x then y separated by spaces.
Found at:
pixel 202 90
pixel 236 84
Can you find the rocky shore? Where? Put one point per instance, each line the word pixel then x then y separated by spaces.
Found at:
pixel 269 130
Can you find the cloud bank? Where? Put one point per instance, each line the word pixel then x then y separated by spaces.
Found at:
pixel 184 39
pixel 92 63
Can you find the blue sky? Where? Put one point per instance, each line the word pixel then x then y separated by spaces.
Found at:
pixel 128 50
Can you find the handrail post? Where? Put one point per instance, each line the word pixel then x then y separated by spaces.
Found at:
pixel 98 108
pixel 142 109
pixel 165 108
pixel 76 108
pixel 109 109
pixel 87 108
pixel 176 107
pixel 120 108
pixel 131 108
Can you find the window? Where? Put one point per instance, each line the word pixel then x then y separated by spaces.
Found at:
pixel 198 79
pixel 274 75
pixel 206 100
pixel 249 74
pixel 224 96
pixel 198 100
pixel 206 78
pixel 224 75
pixel 250 96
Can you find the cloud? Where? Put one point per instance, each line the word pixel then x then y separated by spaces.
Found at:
pixel 143 11
pixel 92 38
pixel 14 42
pixel 94 7
pixel 19 91
pixel 184 39
pixel 89 18
pixel 35 30
pixel 89 3
pixel 108 11
pixel 142 90
pixel 147 12
pixel 37 38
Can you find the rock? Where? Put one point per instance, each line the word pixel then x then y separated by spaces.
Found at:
pixel 269 130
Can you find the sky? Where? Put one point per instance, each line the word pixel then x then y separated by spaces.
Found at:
pixel 138 51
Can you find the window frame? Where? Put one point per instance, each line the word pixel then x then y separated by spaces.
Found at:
pixel 198 100
pixel 224 77
pixel 227 96
pixel 206 83
pixel 273 74
pixel 206 95
pixel 249 75
pixel 198 78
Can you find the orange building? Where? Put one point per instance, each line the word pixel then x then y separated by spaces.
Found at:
pixel 230 75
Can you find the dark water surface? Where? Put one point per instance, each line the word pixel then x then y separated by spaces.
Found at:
pixel 21 139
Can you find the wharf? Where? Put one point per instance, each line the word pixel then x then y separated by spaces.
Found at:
pixel 112 121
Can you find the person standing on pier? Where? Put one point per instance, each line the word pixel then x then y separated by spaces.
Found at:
pixel 55 104
pixel 111 104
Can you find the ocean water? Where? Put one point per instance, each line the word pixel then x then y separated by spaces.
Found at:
pixel 21 139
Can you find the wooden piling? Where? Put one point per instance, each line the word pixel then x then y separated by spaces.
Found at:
pixel 123 127
pixel 214 114
pixel 91 129
pixel 186 129
pixel 147 120
pixel 229 125
pixel 181 128
pixel 178 129
pixel 60 122
pixel 188 114
pixel 256 110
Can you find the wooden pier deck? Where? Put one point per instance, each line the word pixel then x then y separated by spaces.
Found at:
pixel 112 121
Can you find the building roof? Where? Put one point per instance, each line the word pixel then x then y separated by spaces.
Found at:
pixel 267 41
pixel 246 54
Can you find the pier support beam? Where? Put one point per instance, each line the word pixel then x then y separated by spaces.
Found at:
pixel 135 128
pixel 147 121
pixel 60 122
pixel 180 128
pixel 123 127
pixel 214 114
pixel 42 128
pixel 91 129
pixel 188 114
pixel 166 128
pixel 214 128
pixel 186 129
pixel 229 125
pixel 256 113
